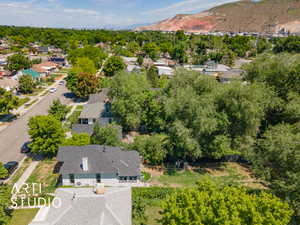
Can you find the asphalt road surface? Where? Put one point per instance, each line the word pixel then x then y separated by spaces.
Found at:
pixel 15 135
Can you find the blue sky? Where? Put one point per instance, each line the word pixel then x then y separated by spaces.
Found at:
pixel 96 13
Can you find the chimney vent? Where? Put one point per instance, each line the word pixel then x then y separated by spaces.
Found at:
pixel 85 166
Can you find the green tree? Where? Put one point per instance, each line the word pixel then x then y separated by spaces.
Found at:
pixel 113 65
pixel 26 84
pixel 77 140
pixel 129 91
pixel 212 204
pixel 58 110
pixel 84 65
pixel 179 53
pixel 108 135
pixel 151 50
pixel 153 76
pixel 46 133
pixel 7 101
pixel 3 171
pixel 95 54
pixel 17 62
pixel 152 148
pixel 85 85
pixel 5 200
pixel 276 159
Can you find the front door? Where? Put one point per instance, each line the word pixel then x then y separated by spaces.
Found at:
pixel 98 178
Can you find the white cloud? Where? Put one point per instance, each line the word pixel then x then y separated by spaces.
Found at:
pixel 186 6
pixel 30 13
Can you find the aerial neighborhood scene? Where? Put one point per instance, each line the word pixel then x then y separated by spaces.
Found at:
pixel 135 112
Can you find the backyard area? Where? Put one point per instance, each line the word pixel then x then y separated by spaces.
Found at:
pixel 46 175
pixel 23 216
pixel 73 118
pixel 225 172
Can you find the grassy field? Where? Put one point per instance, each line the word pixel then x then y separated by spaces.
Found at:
pixel 23 216
pixel 44 174
pixel 20 171
pixel 73 118
pixel 229 173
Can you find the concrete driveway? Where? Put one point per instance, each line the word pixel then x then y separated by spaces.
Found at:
pixel 15 135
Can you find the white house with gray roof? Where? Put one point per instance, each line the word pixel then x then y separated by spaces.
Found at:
pixel 94 164
pixel 82 206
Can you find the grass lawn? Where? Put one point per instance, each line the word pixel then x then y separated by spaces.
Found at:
pixel 229 173
pixel 20 171
pixel 44 174
pixel 36 91
pixel 152 213
pixel 23 216
pixel 73 118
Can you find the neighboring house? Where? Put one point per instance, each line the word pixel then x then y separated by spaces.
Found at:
pixel 94 164
pixel 58 60
pixel 33 73
pixel 131 68
pixel 97 110
pixel 129 60
pixel 45 68
pixel 164 70
pixel 82 206
pixel 228 76
pixel 8 84
pixel 43 49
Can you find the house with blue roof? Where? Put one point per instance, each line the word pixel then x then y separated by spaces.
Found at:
pixel 33 73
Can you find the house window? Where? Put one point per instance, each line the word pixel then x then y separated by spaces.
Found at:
pixel 98 178
pixel 94 120
pixel 123 178
pixel 85 121
pixel 72 178
pixel 133 178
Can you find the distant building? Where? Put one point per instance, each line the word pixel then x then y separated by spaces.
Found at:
pixel 165 70
pixel 58 60
pixel 43 49
pixel 93 164
pixel 34 74
pixel 8 84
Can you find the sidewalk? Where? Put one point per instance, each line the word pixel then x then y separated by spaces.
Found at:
pixel 35 99
pixel 26 174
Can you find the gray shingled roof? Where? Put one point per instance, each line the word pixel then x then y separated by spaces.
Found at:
pixel 100 97
pixel 93 110
pixel 112 208
pixel 101 159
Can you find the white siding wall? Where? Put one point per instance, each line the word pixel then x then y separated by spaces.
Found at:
pixel 89 179
pixel 109 178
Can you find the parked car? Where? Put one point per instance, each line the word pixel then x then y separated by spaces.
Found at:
pixel 11 167
pixel 25 148
pixel 61 82
pixel 53 90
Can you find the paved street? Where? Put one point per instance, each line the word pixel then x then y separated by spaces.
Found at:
pixel 13 137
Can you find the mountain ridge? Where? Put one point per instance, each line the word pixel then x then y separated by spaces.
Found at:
pixel 242 16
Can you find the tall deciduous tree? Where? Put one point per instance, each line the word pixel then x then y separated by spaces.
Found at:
pixel 277 160
pixel 86 84
pixel 113 65
pixel 7 101
pixel 46 133
pixel 5 200
pixel 18 62
pixel 153 148
pixel 3 171
pixel 26 84
pixel 58 110
pixel 77 140
pixel 211 204
pixel 108 135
